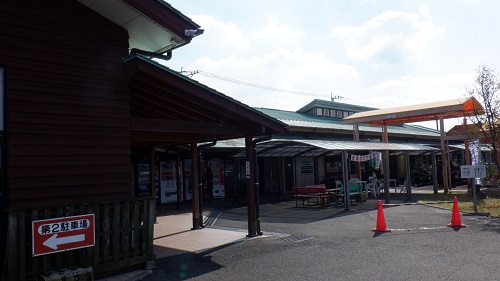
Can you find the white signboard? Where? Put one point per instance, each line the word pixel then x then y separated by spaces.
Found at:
pixel 472 171
pixel 247 169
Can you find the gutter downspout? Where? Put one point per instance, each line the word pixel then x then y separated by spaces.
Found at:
pixel 135 51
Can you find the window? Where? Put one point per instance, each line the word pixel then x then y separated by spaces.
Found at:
pixel 339 114
pixel 333 113
pixel 319 111
pixel 346 114
pixel 326 112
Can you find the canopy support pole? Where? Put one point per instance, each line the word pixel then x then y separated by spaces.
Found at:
pixel 444 154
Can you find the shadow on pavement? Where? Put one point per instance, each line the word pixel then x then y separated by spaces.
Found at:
pixel 183 267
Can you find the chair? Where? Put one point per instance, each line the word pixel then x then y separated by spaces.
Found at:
pixel 338 184
pixel 380 186
pixel 353 181
pixel 373 187
pixel 402 187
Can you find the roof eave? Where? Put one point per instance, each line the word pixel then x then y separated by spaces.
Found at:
pixel 152 25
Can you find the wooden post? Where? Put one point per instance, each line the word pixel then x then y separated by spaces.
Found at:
pixel 467 158
pixel 179 181
pixel 408 175
pixel 434 172
pixel 385 134
pixel 385 164
pixel 356 132
pixel 345 175
pixel 196 196
pixel 444 159
pixel 152 170
pixel 252 220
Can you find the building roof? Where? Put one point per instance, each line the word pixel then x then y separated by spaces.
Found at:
pixel 453 108
pixel 303 120
pixel 170 109
pixel 333 104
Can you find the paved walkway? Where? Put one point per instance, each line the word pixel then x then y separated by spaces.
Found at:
pixel 173 234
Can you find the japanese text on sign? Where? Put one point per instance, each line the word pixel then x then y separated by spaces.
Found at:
pixel 63 226
pixel 472 171
pixel 247 169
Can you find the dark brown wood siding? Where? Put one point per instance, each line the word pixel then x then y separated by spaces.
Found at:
pixel 67 104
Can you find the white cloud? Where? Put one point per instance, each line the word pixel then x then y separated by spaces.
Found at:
pixel 220 35
pixel 421 89
pixel 276 31
pixel 392 36
pixel 293 70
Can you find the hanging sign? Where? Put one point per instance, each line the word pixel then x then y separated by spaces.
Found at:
pixel 247 169
pixel 363 158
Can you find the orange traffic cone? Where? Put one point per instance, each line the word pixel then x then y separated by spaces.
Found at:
pixel 381 227
pixel 456 221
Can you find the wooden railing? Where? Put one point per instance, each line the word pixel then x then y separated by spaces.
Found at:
pixel 123 237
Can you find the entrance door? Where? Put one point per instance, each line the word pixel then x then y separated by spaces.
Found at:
pixel 304 168
pixel 271 175
pixel 289 178
pixel 241 185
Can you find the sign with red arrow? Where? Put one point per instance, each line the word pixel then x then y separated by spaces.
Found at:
pixel 63 234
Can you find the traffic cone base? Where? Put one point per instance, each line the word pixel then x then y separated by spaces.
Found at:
pixel 381 230
pixel 456 221
pixel 381 226
pixel 457 225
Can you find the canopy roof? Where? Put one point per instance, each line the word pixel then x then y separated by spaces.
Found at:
pixel 417 113
pixel 317 148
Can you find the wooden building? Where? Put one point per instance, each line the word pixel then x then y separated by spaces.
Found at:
pixel 80 94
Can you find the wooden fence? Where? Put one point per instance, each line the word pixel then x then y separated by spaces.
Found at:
pixel 123 237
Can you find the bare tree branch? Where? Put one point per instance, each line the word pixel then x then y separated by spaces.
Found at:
pixel 486 120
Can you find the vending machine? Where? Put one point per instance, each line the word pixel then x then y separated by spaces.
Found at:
pixel 217 166
pixel 187 180
pixel 168 182
pixel 143 179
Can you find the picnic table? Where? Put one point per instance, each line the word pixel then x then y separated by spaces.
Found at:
pixel 319 193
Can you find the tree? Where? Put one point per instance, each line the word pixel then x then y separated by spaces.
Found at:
pixel 485 121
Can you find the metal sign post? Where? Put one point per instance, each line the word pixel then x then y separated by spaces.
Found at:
pixel 473 172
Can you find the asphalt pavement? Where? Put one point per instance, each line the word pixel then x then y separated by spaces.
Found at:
pixel 330 243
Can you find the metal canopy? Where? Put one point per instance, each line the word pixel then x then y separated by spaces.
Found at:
pixel 316 148
pixel 417 113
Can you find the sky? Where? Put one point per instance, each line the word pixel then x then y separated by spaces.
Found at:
pixel 373 53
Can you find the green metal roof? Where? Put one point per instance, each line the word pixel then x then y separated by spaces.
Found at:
pixel 297 119
pixel 334 105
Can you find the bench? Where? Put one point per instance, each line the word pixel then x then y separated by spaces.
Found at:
pixel 308 192
pixel 354 192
